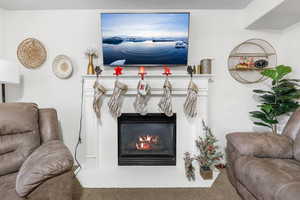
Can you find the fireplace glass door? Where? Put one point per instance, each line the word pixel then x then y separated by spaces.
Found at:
pixel 146 140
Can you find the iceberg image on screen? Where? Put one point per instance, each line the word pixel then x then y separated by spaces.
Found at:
pixel 145 39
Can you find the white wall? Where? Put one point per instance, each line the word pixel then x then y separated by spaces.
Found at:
pixel 1 31
pixel 290 45
pixel 214 33
pixel 1 37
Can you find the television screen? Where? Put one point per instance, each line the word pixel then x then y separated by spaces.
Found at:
pixel 145 38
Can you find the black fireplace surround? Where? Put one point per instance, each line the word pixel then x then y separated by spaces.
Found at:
pixel 148 140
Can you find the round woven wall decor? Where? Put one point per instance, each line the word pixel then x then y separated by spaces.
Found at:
pixel 31 53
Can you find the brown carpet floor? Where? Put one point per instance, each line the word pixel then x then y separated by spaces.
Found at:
pixel 221 190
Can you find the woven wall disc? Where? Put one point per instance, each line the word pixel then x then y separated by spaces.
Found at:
pixel 31 53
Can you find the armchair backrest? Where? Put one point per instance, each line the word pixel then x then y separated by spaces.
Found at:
pixel 48 124
pixel 19 134
pixel 292 130
pixel 23 127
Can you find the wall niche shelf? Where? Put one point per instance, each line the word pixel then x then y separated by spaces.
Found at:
pixel 243 59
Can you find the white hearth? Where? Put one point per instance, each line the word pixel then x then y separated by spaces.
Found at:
pixel 98 151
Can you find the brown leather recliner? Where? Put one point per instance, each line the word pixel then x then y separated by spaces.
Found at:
pixel 34 163
pixel 265 166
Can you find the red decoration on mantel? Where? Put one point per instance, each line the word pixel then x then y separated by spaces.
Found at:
pixel 167 71
pixel 118 71
pixel 142 72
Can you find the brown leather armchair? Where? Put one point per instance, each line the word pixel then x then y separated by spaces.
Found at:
pixel 34 163
pixel 265 166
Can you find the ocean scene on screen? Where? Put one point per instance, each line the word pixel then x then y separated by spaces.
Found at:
pixel 145 39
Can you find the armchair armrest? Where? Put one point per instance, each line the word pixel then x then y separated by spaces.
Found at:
pixel 261 144
pixel 49 160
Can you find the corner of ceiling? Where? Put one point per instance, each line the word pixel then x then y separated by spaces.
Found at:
pixel 257 9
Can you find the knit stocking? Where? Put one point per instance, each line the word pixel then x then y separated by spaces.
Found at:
pixel 165 104
pixel 142 97
pixel 99 92
pixel 116 100
pixel 190 105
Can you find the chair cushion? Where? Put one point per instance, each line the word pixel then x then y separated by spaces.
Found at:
pixel 19 134
pixel 292 128
pixel 266 145
pixel 49 160
pixel 267 178
pixel 8 187
pixel 297 147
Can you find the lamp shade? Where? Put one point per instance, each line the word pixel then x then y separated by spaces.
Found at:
pixel 9 72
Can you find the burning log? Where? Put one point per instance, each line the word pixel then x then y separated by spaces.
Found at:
pixel 146 142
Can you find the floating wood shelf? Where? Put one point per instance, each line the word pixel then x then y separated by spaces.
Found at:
pixel 150 75
pixel 252 55
pixel 249 69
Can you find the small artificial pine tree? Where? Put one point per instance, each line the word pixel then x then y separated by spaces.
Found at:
pixel 209 154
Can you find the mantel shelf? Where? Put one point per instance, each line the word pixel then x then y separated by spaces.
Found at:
pixel 150 75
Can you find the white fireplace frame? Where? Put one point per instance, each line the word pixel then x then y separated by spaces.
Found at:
pixel 98 152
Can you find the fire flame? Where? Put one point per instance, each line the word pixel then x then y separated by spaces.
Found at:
pixel 146 142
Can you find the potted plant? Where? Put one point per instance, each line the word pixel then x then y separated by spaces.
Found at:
pixel 208 153
pixel 279 100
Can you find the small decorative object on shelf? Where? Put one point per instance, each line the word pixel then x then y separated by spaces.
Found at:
pixel 249 58
pixel 91 54
pixel 167 71
pixel 116 100
pixel 281 99
pixel 99 92
pixel 189 168
pixel 165 103
pixel 205 66
pixel 118 71
pixel 190 70
pixel 143 94
pixel 209 154
pixel 31 53
pixel 260 64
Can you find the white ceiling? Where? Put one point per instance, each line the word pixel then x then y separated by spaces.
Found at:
pixel 122 4
pixel 281 17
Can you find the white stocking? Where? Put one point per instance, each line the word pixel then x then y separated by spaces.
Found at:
pixel 116 100
pixel 165 103
pixel 99 92
pixel 142 97
pixel 190 105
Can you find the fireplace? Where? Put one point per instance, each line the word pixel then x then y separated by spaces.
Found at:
pixel 146 140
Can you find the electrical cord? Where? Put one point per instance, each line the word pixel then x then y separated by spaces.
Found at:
pixel 79 141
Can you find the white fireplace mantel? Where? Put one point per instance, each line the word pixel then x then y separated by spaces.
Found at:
pixel 99 153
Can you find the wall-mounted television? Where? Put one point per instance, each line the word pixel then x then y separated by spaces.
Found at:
pixel 149 39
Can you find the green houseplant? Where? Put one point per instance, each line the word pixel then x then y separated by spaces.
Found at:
pixel 279 100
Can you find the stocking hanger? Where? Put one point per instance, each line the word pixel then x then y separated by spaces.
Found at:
pixel 190 70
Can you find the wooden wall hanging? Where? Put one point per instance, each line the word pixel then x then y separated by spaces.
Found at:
pixel 31 53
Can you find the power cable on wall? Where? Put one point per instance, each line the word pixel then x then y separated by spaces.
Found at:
pixel 79 141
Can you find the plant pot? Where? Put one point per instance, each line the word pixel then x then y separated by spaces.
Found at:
pixel 206 174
